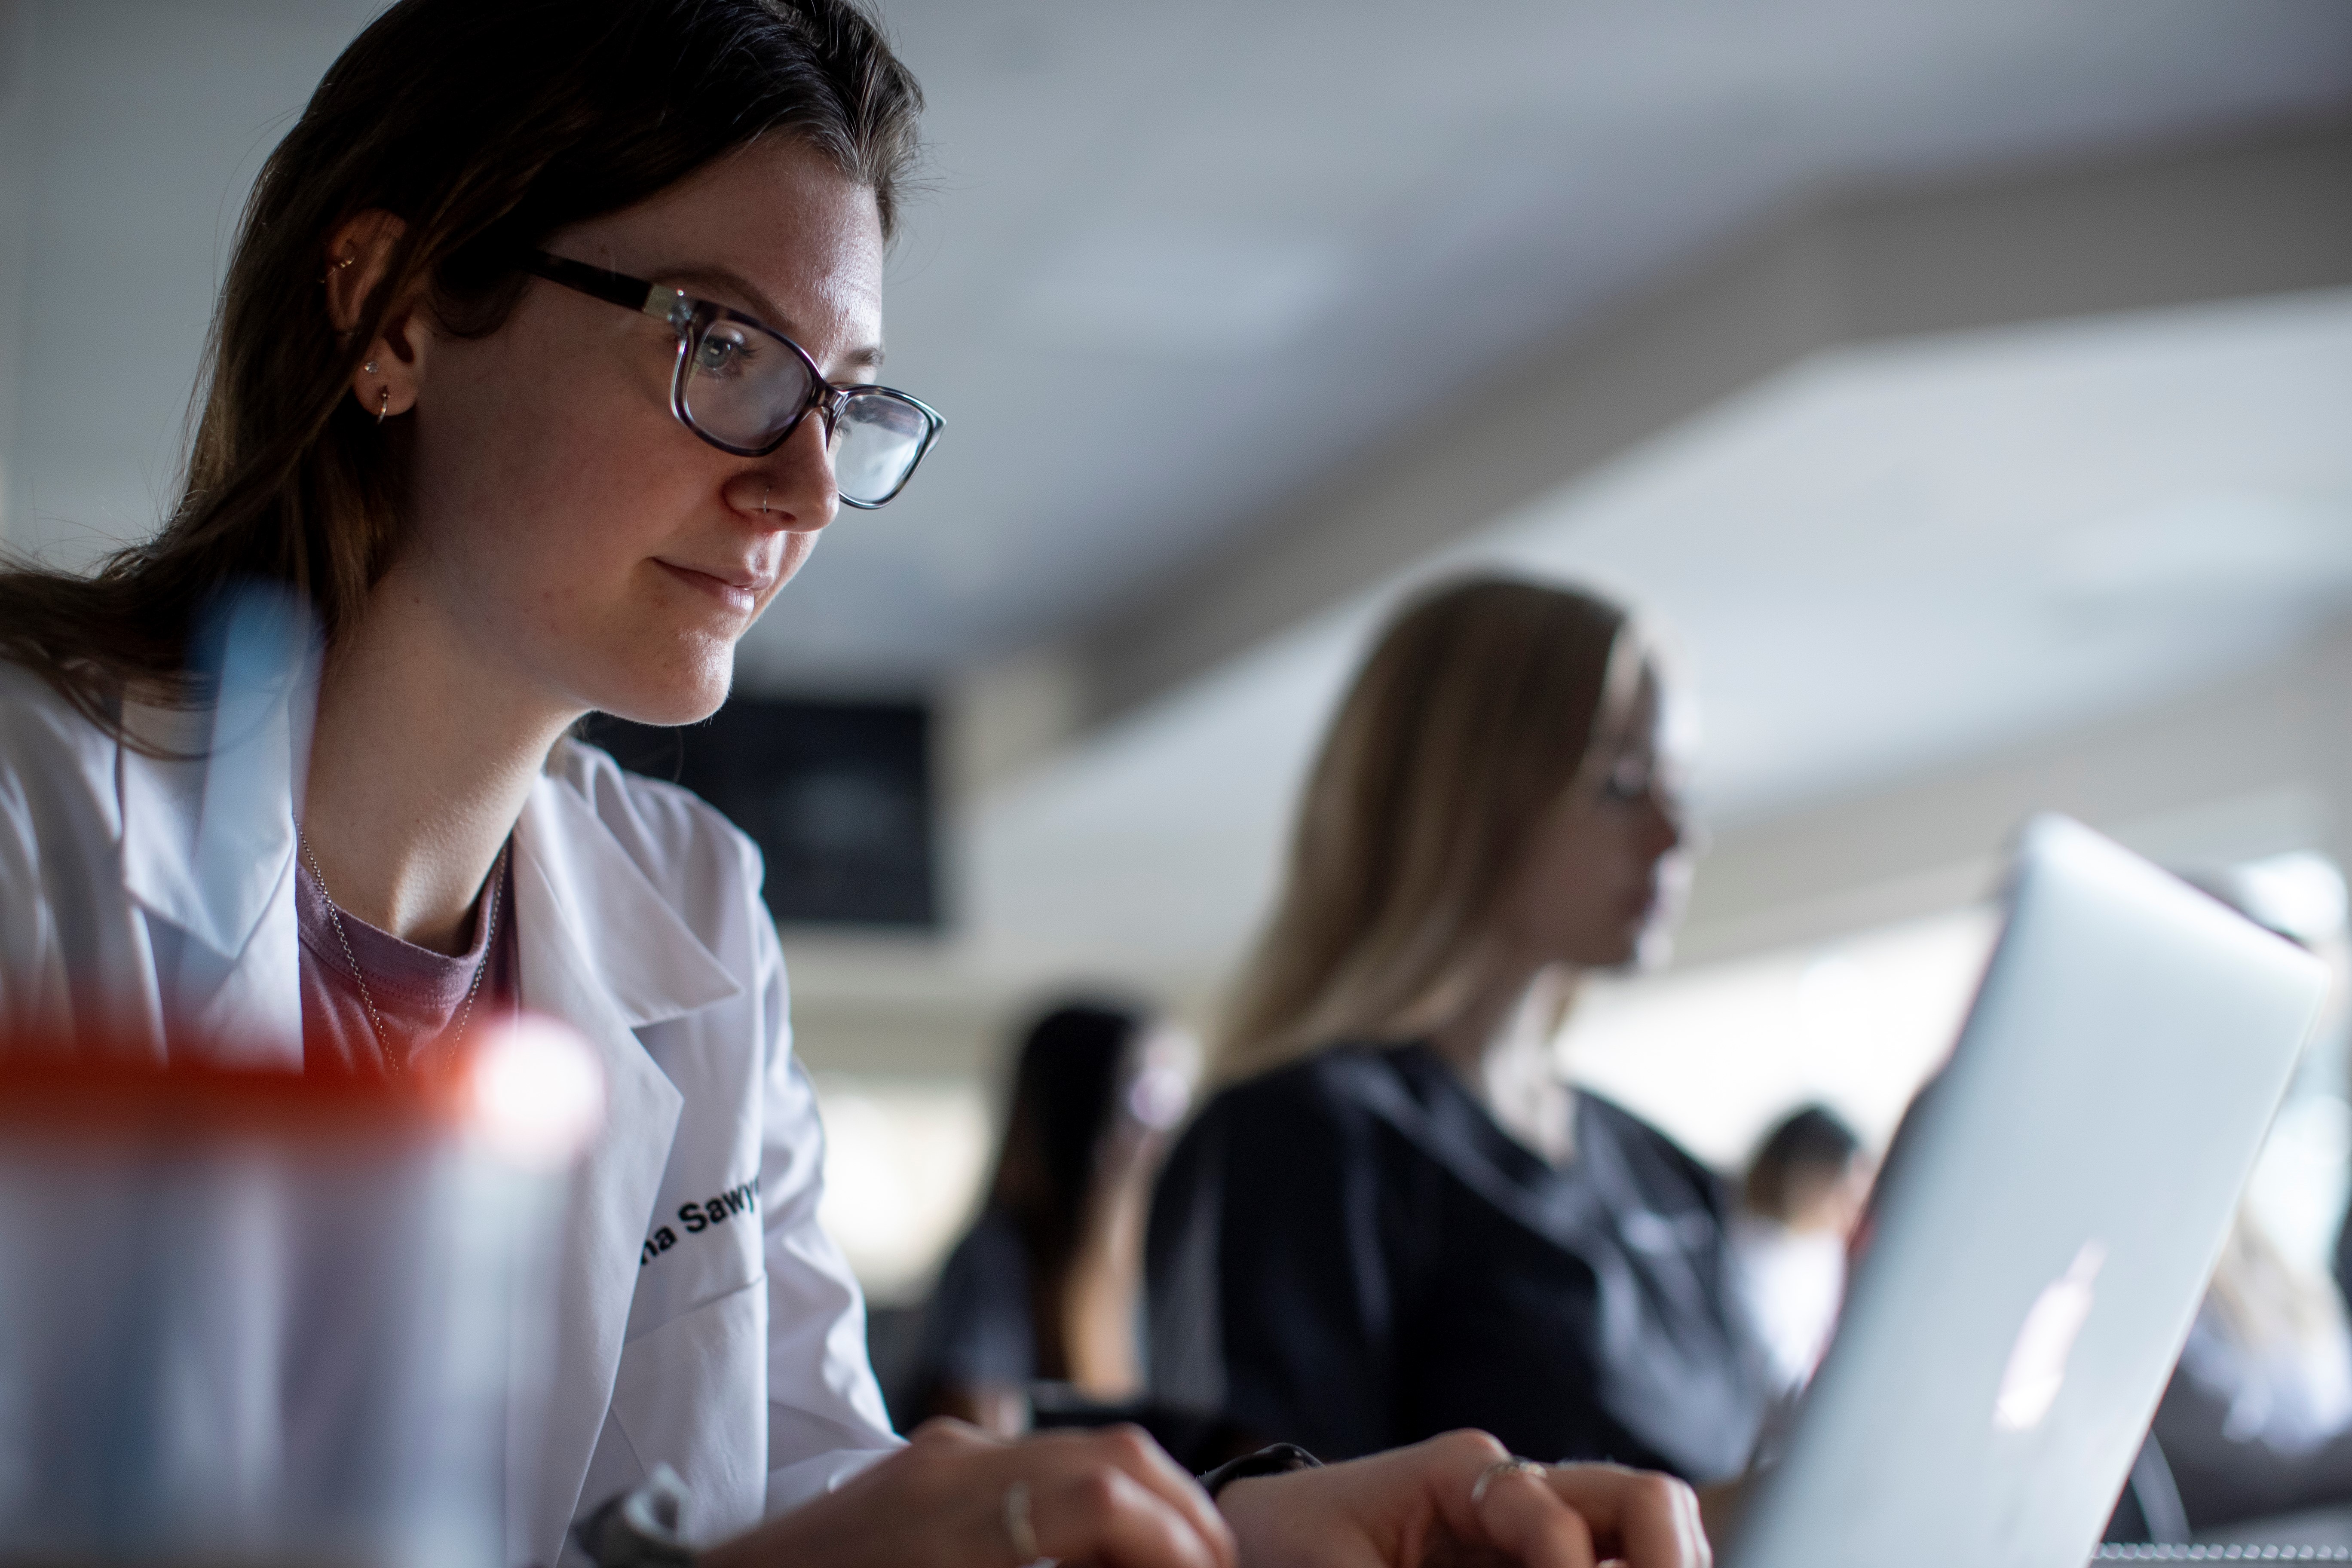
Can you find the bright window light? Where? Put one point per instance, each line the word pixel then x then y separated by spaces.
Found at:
pixel 2301 893
pixel 903 1167
pixel 1715 1055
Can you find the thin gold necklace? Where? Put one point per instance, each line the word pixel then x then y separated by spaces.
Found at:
pixel 376 1019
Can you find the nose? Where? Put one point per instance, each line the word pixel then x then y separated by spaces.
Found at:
pixel 791 489
pixel 1666 820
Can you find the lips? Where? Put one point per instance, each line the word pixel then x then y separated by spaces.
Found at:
pixel 739 587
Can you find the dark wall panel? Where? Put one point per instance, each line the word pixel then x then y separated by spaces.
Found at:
pixel 837 793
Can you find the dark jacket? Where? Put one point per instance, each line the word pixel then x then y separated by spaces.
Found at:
pixel 1349 1253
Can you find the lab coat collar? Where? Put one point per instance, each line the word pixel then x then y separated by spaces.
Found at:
pixel 649 963
pixel 207 840
pixel 602 950
pixel 208 828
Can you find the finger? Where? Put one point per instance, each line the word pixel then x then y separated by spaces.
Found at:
pixel 1649 1519
pixel 1521 1516
pixel 1133 1453
pixel 945 1432
pixel 1448 1467
pixel 1695 1526
pixel 1096 1512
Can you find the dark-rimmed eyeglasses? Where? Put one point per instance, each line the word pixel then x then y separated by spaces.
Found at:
pixel 745 387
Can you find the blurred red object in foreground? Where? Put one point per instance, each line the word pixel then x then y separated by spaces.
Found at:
pixel 263 1317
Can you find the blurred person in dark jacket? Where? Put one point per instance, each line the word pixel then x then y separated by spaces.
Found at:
pixel 1040 1303
pixel 1398 1218
pixel 2257 1418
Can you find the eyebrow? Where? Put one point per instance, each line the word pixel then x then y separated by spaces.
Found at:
pixel 770 314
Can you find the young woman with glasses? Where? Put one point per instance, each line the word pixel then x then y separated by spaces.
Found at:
pixel 551 342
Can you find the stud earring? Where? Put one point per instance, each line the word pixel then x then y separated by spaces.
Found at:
pixel 369 367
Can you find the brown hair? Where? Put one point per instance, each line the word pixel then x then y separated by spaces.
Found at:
pixel 1479 706
pixel 485 126
pixel 1809 1149
pixel 1074 1061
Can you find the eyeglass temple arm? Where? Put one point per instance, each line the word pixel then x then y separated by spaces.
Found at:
pixel 655 300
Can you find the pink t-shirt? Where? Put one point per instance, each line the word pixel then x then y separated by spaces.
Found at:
pixel 418 992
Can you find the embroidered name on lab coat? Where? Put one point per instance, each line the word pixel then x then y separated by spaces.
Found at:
pixel 698 1217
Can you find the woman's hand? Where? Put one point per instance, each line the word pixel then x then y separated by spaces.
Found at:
pixel 1414 1508
pixel 1107 1498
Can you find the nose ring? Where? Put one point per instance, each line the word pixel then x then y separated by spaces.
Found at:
pixel 763 499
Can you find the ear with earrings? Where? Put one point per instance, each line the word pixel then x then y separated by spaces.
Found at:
pixel 382 394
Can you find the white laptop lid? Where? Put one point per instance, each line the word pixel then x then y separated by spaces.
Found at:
pixel 2044 1230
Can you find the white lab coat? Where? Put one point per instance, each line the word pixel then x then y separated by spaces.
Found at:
pixel 133 890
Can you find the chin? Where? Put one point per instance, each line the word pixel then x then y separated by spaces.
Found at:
pixel 685 696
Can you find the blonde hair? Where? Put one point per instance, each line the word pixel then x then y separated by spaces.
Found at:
pixel 1480 705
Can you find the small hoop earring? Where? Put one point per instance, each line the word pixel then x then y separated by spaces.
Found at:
pixel 382 404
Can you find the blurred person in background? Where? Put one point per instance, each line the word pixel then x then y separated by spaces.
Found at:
pixel 545 352
pixel 1399 1217
pixel 1041 1299
pixel 1806 1188
pixel 2256 1419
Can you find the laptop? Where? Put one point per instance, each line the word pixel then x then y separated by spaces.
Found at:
pixel 2044 1228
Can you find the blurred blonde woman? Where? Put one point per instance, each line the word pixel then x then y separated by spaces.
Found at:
pixel 1397 1218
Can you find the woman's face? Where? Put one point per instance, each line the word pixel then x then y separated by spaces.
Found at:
pixel 1593 879
pixel 565 525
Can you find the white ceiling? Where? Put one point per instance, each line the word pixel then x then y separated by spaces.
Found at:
pixel 1180 260
pixel 1174 261
pixel 1883 560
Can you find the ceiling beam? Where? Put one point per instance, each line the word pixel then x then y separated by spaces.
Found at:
pixel 2252 216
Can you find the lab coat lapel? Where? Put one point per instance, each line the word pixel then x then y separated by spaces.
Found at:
pixel 602 950
pixel 208 848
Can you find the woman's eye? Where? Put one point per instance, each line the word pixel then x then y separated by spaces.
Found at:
pixel 723 353
pixel 1629 781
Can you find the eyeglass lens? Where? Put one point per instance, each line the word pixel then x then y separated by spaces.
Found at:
pixel 875 445
pixel 742 386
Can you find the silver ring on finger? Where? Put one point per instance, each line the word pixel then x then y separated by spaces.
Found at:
pixel 1513 1466
pixel 1022 1530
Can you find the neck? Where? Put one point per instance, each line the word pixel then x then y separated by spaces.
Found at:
pixel 420 765
pixel 1512 1009
pixel 1500 1046
pixel 1099 1297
